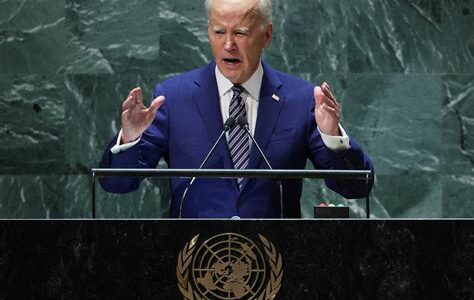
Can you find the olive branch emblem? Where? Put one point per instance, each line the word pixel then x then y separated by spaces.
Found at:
pixel 276 275
pixel 184 259
pixel 274 278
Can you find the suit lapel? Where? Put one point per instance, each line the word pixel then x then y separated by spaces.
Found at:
pixel 206 100
pixel 268 112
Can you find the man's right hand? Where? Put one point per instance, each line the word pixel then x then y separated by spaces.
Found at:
pixel 136 118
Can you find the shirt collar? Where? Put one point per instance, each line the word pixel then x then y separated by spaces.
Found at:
pixel 252 86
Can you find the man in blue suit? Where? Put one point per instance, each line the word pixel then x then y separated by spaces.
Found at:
pixel 291 120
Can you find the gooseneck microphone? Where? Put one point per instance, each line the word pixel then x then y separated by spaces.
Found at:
pixel 242 121
pixel 229 124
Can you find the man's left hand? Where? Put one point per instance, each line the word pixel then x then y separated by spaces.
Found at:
pixel 327 110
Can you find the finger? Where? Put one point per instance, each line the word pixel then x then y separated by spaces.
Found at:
pixel 328 98
pixel 131 99
pixel 329 95
pixel 156 104
pixel 331 103
pixel 127 103
pixel 125 116
pixel 137 95
pixel 324 99
pixel 140 96
pixel 134 90
pixel 327 91
pixel 331 110
pixel 318 96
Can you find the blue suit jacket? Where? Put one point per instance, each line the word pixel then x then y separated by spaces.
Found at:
pixel 190 121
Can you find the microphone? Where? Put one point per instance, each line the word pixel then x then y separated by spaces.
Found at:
pixel 242 121
pixel 228 124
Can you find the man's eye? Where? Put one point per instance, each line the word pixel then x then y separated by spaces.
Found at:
pixel 219 32
pixel 241 33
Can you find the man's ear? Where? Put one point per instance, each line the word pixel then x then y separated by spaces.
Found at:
pixel 268 34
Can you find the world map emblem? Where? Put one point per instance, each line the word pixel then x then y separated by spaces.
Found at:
pixel 229 266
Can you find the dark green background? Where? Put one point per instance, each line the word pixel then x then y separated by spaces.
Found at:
pixel 402 69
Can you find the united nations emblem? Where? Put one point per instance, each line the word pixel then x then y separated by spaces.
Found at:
pixel 229 266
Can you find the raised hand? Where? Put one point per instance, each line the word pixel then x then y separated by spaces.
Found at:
pixel 327 111
pixel 136 118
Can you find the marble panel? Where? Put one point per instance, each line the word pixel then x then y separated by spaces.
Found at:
pixel 93 114
pixel 414 36
pixel 458 25
pixel 184 42
pixel 309 37
pixel 78 197
pixel 32 124
pixel 410 194
pixel 150 201
pixel 457 196
pixel 458 124
pixel 112 36
pixel 397 120
pixel 31 196
pixel 92 119
pixel 32 37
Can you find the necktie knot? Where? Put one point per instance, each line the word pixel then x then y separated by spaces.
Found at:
pixel 237 89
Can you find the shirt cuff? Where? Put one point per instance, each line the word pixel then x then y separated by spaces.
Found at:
pixel 120 148
pixel 336 143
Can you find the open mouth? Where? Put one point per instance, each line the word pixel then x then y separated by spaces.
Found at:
pixel 231 61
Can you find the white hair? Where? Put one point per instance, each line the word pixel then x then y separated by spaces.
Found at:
pixel 264 7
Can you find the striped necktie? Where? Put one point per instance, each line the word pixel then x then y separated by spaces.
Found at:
pixel 238 140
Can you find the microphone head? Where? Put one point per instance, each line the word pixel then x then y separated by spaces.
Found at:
pixel 229 123
pixel 242 121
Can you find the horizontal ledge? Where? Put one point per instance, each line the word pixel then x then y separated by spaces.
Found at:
pixel 231 173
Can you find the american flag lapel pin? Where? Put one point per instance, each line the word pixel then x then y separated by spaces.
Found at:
pixel 275 97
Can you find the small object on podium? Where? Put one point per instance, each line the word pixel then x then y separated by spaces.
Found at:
pixel 330 211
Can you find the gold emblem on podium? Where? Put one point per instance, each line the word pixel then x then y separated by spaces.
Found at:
pixel 229 266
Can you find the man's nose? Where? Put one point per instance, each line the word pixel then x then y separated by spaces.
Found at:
pixel 229 43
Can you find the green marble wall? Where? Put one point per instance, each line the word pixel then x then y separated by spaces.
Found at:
pixel 403 69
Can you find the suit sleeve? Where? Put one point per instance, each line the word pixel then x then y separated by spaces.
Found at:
pixel 152 146
pixel 353 158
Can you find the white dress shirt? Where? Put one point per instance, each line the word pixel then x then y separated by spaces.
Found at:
pixel 251 99
pixel 250 95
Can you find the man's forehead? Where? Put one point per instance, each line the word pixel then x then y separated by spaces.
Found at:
pixel 238 23
pixel 223 7
pixel 234 17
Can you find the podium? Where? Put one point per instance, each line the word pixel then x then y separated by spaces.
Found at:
pixel 237 259
pixel 304 259
pixel 364 175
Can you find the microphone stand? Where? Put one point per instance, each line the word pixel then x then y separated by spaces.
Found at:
pixel 242 121
pixel 229 123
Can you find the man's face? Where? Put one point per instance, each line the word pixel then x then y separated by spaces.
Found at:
pixel 237 37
